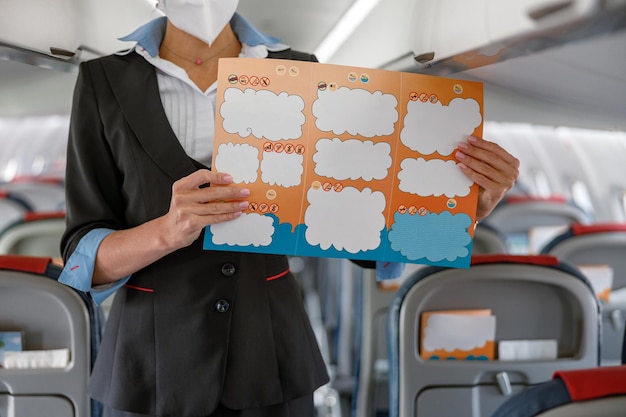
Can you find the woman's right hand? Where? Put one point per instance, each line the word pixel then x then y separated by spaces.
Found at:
pixel 201 199
pixel 193 206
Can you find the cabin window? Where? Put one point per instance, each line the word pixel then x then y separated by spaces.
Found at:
pixel 10 170
pixel 581 196
pixel 542 185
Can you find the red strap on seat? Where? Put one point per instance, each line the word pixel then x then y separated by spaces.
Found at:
pixel 585 384
pixel 529 199
pixel 43 215
pixel 544 260
pixel 583 229
pixel 23 263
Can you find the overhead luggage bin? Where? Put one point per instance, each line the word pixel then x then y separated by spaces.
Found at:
pixel 503 30
pixel 70 29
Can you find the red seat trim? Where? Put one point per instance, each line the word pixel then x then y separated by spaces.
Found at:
pixel 583 229
pixel 585 384
pixel 23 263
pixel 43 215
pixel 545 260
pixel 513 199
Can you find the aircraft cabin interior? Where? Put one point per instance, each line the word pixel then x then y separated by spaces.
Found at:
pixel 546 278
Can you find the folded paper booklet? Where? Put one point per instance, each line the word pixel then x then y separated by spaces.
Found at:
pixel 12 340
pixel 37 359
pixel 516 350
pixel 458 334
pixel 346 162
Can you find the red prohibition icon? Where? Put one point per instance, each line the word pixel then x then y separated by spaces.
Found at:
pixel 300 149
pixel 267 147
pixel 338 187
pixel 263 207
pixel 253 206
pixel 278 147
pixel 289 148
pixel 402 209
pixel 327 186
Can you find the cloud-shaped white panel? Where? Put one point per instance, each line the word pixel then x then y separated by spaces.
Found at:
pixel 352 159
pixel 248 229
pixel 356 229
pixel 433 127
pixel 239 160
pixel 434 177
pixel 357 112
pixel 262 114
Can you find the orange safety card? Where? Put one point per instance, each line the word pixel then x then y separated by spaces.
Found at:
pixel 346 162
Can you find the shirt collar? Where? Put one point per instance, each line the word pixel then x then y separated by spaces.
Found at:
pixel 150 35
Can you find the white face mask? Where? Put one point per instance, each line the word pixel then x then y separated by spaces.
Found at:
pixel 203 19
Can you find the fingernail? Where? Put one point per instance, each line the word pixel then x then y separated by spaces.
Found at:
pixel 244 192
pixel 459 155
pixel 472 139
pixel 243 205
pixel 463 145
pixel 228 178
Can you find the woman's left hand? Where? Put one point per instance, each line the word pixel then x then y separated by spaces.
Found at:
pixel 491 167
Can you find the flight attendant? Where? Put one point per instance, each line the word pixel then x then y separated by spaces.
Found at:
pixel 191 332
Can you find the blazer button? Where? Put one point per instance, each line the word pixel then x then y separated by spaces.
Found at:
pixel 222 306
pixel 228 270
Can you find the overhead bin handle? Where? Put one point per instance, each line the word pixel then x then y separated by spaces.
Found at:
pixel 425 57
pixel 61 52
pixel 542 12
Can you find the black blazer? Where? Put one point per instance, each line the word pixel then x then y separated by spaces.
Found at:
pixel 197 327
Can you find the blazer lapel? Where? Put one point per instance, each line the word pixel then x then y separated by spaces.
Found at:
pixel 134 83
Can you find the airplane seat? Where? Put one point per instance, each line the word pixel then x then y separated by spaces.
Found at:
pixel 39 194
pixel 487 239
pixel 517 215
pixel 600 244
pixel 11 210
pixel 34 234
pixel 598 392
pixel 530 300
pixel 52 319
